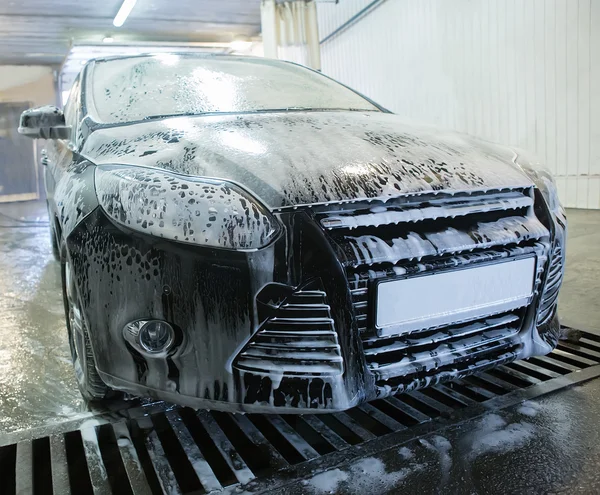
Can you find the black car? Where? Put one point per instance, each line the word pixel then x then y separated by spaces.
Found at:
pixel 246 234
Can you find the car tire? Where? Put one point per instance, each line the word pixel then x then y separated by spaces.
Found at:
pixel 92 388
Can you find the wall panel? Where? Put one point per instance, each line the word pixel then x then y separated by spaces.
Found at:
pixel 520 72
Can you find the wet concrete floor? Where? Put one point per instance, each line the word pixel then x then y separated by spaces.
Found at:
pixel 549 445
pixel 37 385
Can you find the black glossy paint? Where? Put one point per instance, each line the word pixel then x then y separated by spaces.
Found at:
pixel 272 303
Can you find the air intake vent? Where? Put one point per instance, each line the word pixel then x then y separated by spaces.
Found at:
pixel 553 281
pixel 300 340
pixel 294 360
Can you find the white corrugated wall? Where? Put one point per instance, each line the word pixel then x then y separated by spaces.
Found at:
pixel 520 72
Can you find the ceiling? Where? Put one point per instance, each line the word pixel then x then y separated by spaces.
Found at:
pixel 34 32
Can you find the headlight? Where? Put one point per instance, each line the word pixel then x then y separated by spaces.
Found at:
pixel 207 212
pixel 541 177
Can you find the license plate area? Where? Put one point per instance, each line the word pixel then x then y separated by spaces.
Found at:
pixel 442 298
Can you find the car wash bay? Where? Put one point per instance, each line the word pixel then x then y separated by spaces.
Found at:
pixel 529 426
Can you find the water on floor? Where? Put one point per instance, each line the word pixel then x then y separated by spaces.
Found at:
pixel 37 384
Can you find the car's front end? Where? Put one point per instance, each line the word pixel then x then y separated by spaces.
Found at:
pixel 278 310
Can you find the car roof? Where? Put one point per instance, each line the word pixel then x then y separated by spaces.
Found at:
pixel 199 55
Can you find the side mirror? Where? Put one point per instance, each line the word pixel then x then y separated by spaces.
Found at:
pixel 45 122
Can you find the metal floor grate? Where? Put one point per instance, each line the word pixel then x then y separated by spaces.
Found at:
pixel 158 448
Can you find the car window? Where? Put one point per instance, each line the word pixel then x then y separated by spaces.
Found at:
pixel 73 106
pixel 137 88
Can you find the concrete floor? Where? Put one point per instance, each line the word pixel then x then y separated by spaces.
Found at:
pixel 37 383
pixel 37 386
pixel 579 301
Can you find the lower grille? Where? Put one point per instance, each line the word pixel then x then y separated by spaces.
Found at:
pixel 299 341
pixel 553 282
pixel 433 350
pixel 294 360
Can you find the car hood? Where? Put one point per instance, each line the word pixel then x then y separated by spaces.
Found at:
pixel 297 158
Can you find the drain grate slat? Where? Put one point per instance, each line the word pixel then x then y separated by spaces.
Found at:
pixel 506 376
pixel 205 474
pixel 328 434
pixel 497 382
pixel 422 406
pixel 312 436
pixel 296 441
pixel 552 365
pixel 24 467
pixel 340 429
pixel 158 459
pixel 465 400
pixel 96 468
pixel 176 454
pixel 565 363
pixel 95 463
pixel 58 465
pixel 229 453
pixel 572 359
pixel 389 410
pixel 590 336
pixel 493 385
pixel 354 427
pixel 253 434
pixel 388 421
pixel 363 418
pixel 417 415
pixel 109 449
pixel 156 447
pixel 523 378
pixel 589 342
pixel 79 476
pixel 465 390
pixel 131 462
pixel 472 388
pixel 532 369
pixel 579 351
pixel 438 406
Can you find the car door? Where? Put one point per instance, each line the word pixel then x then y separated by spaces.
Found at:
pixel 58 155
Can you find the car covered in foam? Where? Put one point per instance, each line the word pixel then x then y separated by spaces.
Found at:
pixel 249 235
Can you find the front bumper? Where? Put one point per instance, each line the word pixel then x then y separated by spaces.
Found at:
pixel 216 300
pixel 281 329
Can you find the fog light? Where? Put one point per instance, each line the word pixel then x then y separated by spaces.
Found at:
pixel 156 336
pixel 150 336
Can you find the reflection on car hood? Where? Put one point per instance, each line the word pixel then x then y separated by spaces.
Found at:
pixel 296 158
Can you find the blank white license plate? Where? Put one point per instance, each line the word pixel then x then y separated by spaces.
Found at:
pixel 453 296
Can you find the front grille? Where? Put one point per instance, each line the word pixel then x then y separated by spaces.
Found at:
pixel 553 282
pixel 419 235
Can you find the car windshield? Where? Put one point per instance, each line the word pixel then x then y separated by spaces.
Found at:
pixel 138 88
